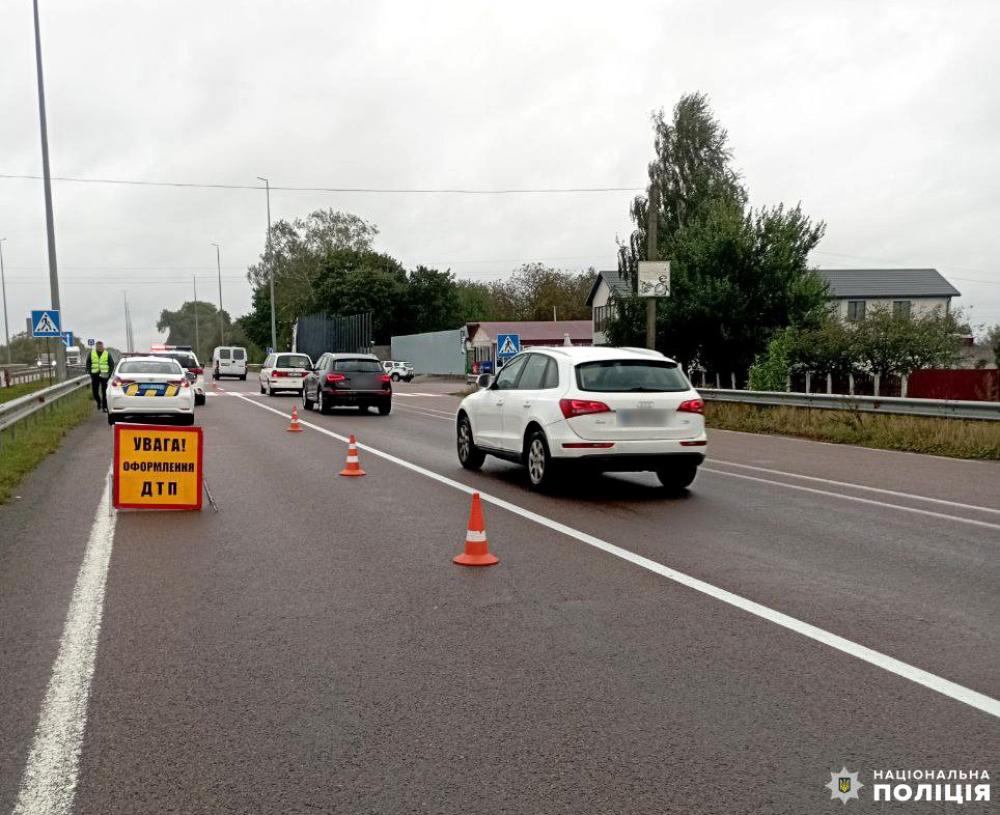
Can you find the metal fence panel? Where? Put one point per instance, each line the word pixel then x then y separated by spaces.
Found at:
pixel 317 334
pixel 435 352
pixel 16 409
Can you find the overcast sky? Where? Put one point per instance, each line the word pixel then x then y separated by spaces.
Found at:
pixel 883 119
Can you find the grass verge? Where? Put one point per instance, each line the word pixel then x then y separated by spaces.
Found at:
pixel 916 434
pixel 25 444
pixel 15 391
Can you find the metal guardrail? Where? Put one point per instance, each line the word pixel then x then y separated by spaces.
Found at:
pixel 940 408
pixel 16 409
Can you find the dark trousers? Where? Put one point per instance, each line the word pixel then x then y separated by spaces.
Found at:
pixel 99 387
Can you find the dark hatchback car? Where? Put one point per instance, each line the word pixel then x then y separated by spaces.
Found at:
pixel 340 380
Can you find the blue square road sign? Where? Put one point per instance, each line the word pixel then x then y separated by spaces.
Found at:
pixel 508 345
pixel 45 323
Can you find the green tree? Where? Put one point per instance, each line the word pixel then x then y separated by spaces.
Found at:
pixel 298 253
pixel 737 274
pixel 431 303
pixel 180 328
pixel 887 343
pixel 539 292
pixel 475 302
pixel 351 282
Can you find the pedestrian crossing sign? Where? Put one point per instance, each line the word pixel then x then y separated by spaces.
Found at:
pixel 508 345
pixel 45 323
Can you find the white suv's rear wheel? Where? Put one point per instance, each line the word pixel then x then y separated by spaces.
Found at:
pixel 679 478
pixel 540 464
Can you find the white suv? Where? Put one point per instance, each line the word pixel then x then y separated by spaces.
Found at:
pixel 614 409
pixel 398 370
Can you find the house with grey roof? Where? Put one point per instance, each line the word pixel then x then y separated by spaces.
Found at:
pixel 606 285
pixel 910 292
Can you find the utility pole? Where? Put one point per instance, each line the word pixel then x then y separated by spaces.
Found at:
pixel 218 265
pixel 3 285
pixel 197 341
pixel 270 262
pixel 651 254
pixel 47 183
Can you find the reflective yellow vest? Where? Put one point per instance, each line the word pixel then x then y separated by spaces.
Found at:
pixel 100 364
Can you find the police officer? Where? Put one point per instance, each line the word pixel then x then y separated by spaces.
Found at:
pixel 99 366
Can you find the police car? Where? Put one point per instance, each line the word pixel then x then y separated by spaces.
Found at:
pixel 147 387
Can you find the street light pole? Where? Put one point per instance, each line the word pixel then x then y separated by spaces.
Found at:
pixel 270 262
pixel 3 285
pixel 197 340
pixel 47 183
pixel 218 265
pixel 651 254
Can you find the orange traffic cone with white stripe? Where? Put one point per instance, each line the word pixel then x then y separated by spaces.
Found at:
pixel 477 548
pixel 353 465
pixel 295 427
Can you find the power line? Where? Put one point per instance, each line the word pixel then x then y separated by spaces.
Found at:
pixel 374 190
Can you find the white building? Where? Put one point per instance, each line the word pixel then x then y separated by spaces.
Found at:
pixel 599 300
pixel 911 292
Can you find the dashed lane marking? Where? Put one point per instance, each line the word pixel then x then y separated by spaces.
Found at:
pixel 940 685
pixel 48 785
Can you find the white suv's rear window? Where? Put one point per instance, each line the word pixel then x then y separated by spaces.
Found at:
pixel 630 376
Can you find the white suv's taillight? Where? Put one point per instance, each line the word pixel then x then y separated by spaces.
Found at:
pixel 692 406
pixel 581 407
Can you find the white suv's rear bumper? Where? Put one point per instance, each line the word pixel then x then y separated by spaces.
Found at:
pixel 571 446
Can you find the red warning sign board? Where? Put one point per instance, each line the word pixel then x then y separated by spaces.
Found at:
pixel 157 467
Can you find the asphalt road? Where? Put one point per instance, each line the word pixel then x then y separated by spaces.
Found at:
pixel 311 647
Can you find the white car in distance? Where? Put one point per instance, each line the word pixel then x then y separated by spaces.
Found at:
pixel 608 409
pixel 150 387
pixel 398 370
pixel 284 372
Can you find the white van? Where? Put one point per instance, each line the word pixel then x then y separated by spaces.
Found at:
pixel 229 360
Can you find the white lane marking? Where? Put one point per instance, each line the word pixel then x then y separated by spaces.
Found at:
pixel 881 491
pixel 856 498
pixel 48 785
pixel 946 687
pixel 847 484
pixel 430 412
pixel 417 393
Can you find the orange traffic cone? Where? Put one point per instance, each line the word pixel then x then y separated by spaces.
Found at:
pixel 477 549
pixel 353 465
pixel 295 427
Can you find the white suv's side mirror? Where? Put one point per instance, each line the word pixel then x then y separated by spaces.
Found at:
pixel 484 381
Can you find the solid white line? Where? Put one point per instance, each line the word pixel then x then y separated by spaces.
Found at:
pixel 895 666
pixel 48 785
pixel 853 486
pixel 856 498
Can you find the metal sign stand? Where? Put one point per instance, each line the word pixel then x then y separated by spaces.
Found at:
pixel 208 493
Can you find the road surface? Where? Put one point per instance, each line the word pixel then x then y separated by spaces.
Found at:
pixel 311 647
